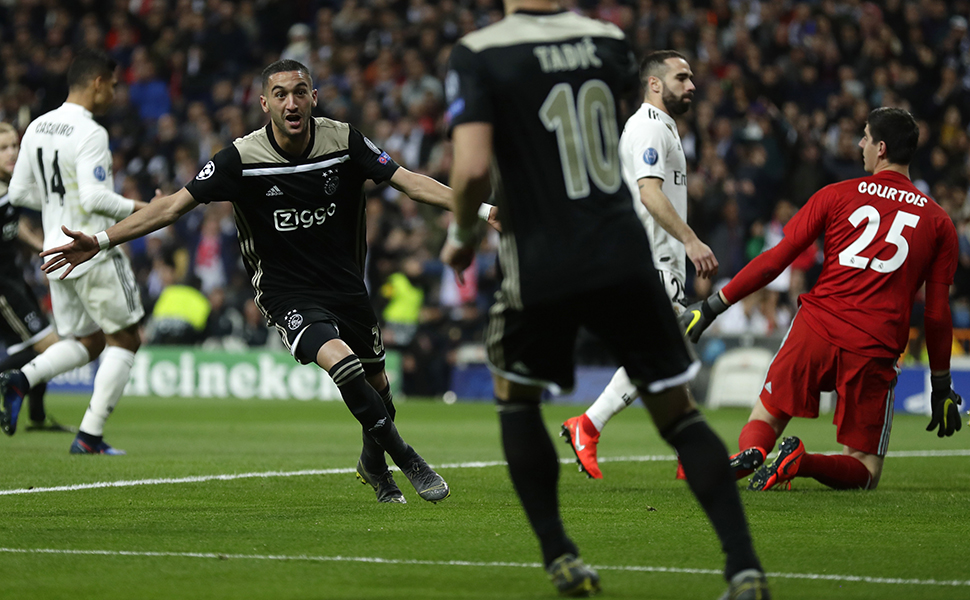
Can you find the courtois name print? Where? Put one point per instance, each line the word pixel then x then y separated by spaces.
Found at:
pixel 207 171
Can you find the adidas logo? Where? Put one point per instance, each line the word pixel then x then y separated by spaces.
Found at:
pixel 274 191
pixel 768 387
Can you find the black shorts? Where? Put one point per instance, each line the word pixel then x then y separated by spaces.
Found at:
pixel 22 322
pixel 635 321
pixel 356 325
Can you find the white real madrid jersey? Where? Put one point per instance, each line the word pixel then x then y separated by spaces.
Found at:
pixel 650 147
pixel 63 153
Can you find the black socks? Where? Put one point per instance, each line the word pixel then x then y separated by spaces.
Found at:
pixel 534 470
pixel 372 455
pixel 36 394
pixel 368 408
pixel 705 462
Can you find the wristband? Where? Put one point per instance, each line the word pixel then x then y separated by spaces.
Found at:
pixel 941 384
pixel 715 305
pixel 461 237
pixel 103 242
pixel 484 211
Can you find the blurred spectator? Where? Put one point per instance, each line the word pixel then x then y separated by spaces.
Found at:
pixel 180 313
pixel 254 332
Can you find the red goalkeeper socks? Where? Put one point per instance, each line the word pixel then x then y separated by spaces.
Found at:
pixel 757 434
pixel 842 472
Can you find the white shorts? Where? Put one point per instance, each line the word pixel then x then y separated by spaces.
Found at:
pixel 674 286
pixel 105 298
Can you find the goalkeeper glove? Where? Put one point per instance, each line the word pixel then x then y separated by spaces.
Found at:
pixel 944 402
pixel 699 316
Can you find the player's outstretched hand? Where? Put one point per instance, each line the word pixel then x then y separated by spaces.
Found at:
pixel 81 249
pixel 944 402
pixel 699 316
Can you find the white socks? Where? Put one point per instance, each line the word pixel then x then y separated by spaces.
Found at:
pixel 109 383
pixel 619 394
pixel 61 357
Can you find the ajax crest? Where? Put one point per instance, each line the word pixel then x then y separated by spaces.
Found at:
pixel 294 320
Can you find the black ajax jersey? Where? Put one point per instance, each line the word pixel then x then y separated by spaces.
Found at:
pixel 299 219
pixel 9 227
pixel 550 84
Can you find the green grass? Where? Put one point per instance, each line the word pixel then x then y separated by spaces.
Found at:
pixel 914 527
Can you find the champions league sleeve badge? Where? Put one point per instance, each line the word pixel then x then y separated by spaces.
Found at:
pixel 207 171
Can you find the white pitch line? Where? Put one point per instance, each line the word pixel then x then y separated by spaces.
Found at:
pixel 467 563
pixel 267 474
pixel 345 471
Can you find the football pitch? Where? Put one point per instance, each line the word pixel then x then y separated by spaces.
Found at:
pixel 258 499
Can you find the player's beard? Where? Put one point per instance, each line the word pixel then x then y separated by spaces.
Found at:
pixel 675 105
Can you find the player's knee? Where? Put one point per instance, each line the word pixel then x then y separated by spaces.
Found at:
pixel 669 406
pixel 128 338
pixel 45 343
pixel 312 339
pixel 773 416
pixel 872 462
pixel 875 473
pixel 93 343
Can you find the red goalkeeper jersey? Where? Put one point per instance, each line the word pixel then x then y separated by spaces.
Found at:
pixel 883 240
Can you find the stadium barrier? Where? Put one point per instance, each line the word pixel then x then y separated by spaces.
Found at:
pixel 189 372
pixel 167 371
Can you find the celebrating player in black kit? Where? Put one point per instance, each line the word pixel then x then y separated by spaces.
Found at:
pixel 24 327
pixel 539 90
pixel 296 188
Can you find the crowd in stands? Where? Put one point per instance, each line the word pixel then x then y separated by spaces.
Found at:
pixel 783 90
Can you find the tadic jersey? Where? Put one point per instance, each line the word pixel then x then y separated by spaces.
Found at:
pixel 650 147
pixel 549 84
pixel 883 240
pixel 300 219
pixel 63 155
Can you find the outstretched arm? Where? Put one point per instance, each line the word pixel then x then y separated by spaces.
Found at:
pixel 761 271
pixel 422 188
pixel 471 185
pixel 429 191
pixel 156 215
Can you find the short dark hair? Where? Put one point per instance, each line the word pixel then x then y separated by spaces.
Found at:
pixel 898 129
pixel 88 65
pixel 655 64
pixel 283 66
